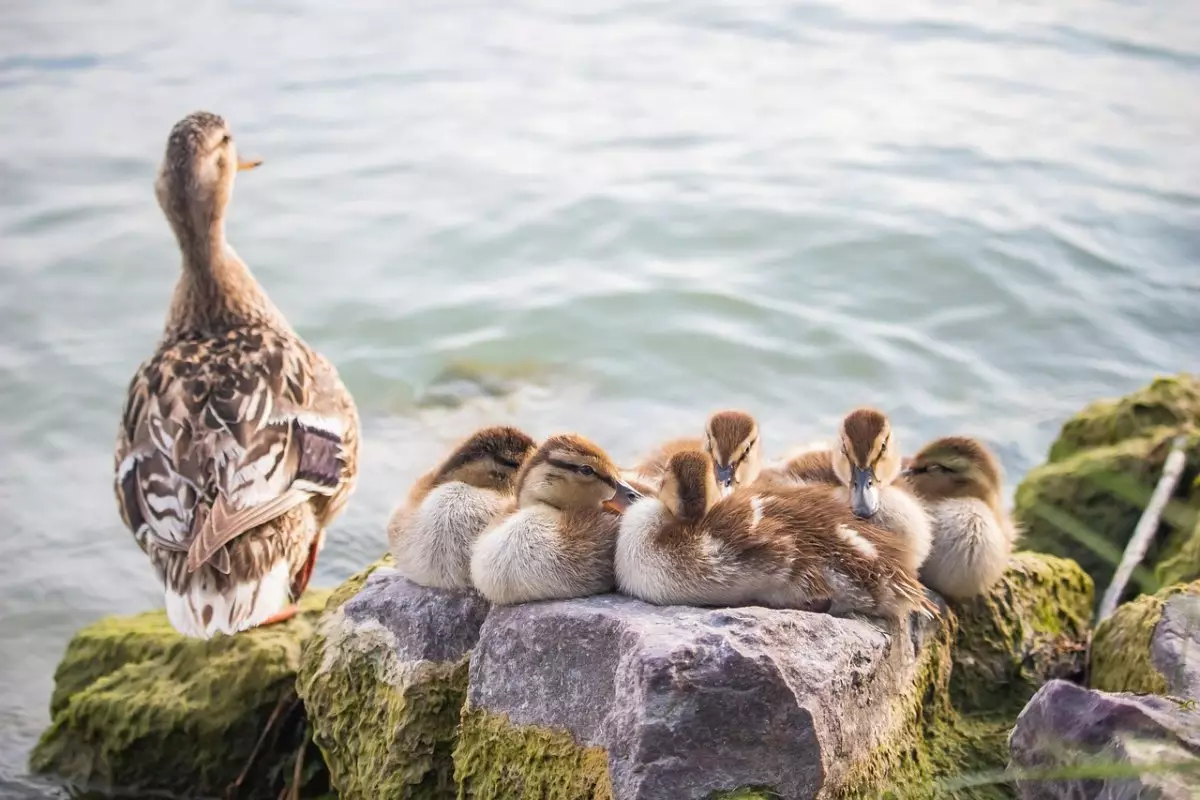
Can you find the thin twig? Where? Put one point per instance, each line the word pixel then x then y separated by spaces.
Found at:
pixel 262 738
pixel 1147 526
pixel 298 770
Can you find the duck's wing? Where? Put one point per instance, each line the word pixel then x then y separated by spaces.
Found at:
pixel 220 436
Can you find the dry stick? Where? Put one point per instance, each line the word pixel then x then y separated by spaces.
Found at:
pixel 1135 550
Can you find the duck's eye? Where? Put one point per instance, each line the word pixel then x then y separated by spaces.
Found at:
pixel 586 471
pixel 226 139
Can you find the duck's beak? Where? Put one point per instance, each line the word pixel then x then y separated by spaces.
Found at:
pixel 248 163
pixel 864 493
pixel 725 479
pixel 623 497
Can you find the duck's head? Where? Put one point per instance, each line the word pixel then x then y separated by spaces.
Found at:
pixel 195 180
pixel 570 472
pixel 689 487
pixel 954 467
pixel 866 458
pixel 731 440
pixel 489 459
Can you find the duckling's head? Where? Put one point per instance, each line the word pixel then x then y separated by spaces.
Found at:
pixel 866 459
pixel 570 472
pixel 954 467
pixel 489 459
pixel 731 439
pixel 195 180
pixel 689 487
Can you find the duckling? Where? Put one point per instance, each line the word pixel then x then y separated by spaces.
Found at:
pixel 730 438
pixel 807 465
pixel 238 443
pixel 960 481
pixel 430 535
pixel 796 548
pixel 558 540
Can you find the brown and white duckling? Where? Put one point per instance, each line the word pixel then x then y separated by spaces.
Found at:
pixel 557 542
pixel 430 535
pixel 867 462
pixel 960 482
pixel 238 444
pixel 798 548
pixel 730 439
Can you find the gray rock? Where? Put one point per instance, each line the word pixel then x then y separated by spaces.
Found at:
pixel 1120 746
pixel 383 680
pixel 690 701
pixel 1175 645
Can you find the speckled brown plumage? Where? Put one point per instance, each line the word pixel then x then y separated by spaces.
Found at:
pixel 238 443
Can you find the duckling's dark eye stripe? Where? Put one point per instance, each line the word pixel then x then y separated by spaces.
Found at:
pixel 745 453
pixel 507 462
pixel 554 462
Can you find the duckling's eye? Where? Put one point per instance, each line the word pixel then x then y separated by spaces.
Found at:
pixel 883 447
pixel 586 471
pixel 226 139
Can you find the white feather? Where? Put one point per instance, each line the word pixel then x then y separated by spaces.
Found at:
pixel 238 608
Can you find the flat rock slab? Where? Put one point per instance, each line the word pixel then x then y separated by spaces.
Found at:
pixel 1120 746
pixel 687 702
pixel 384 680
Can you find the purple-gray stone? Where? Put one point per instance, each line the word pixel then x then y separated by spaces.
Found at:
pixel 1118 746
pixel 1175 645
pixel 691 701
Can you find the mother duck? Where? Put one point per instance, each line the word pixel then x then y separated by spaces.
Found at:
pixel 238 444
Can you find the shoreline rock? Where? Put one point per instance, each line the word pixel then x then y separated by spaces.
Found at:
pixel 1085 501
pixel 1151 645
pixel 384 679
pixel 1073 742
pixel 139 708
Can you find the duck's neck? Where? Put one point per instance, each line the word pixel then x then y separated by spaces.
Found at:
pixel 216 290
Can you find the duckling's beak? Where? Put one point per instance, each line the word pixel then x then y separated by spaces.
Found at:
pixel 864 493
pixel 725 479
pixel 250 163
pixel 623 497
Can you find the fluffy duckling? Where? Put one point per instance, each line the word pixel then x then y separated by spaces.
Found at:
pixel 867 462
pixel 558 541
pixel 730 439
pixel 799 548
pixel 430 535
pixel 238 444
pixel 808 465
pixel 960 481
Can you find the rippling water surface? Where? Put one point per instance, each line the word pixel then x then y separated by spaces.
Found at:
pixel 603 216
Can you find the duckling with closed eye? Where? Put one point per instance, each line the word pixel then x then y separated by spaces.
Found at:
pixel 796 548
pixel 557 542
pixel 960 482
pixel 430 534
pixel 730 439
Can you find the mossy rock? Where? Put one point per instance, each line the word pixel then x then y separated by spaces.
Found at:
pixel 1168 402
pixel 1085 502
pixel 1121 657
pixel 384 680
pixel 139 708
pixel 1030 627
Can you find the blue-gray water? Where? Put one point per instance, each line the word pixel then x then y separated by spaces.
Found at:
pixel 977 216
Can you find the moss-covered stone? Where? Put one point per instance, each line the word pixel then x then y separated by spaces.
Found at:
pixel 1121 649
pixel 1168 402
pixel 1085 502
pixel 385 719
pixel 1031 627
pixel 495 760
pixel 137 707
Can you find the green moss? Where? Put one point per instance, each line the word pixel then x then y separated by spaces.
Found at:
pixel 353 585
pixel 1168 402
pixel 1087 505
pixel 138 707
pixel 746 793
pixel 1031 627
pixel 1120 657
pixel 387 728
pixel 496 759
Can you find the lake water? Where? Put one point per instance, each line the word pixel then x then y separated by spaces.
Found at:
pixel 612 219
